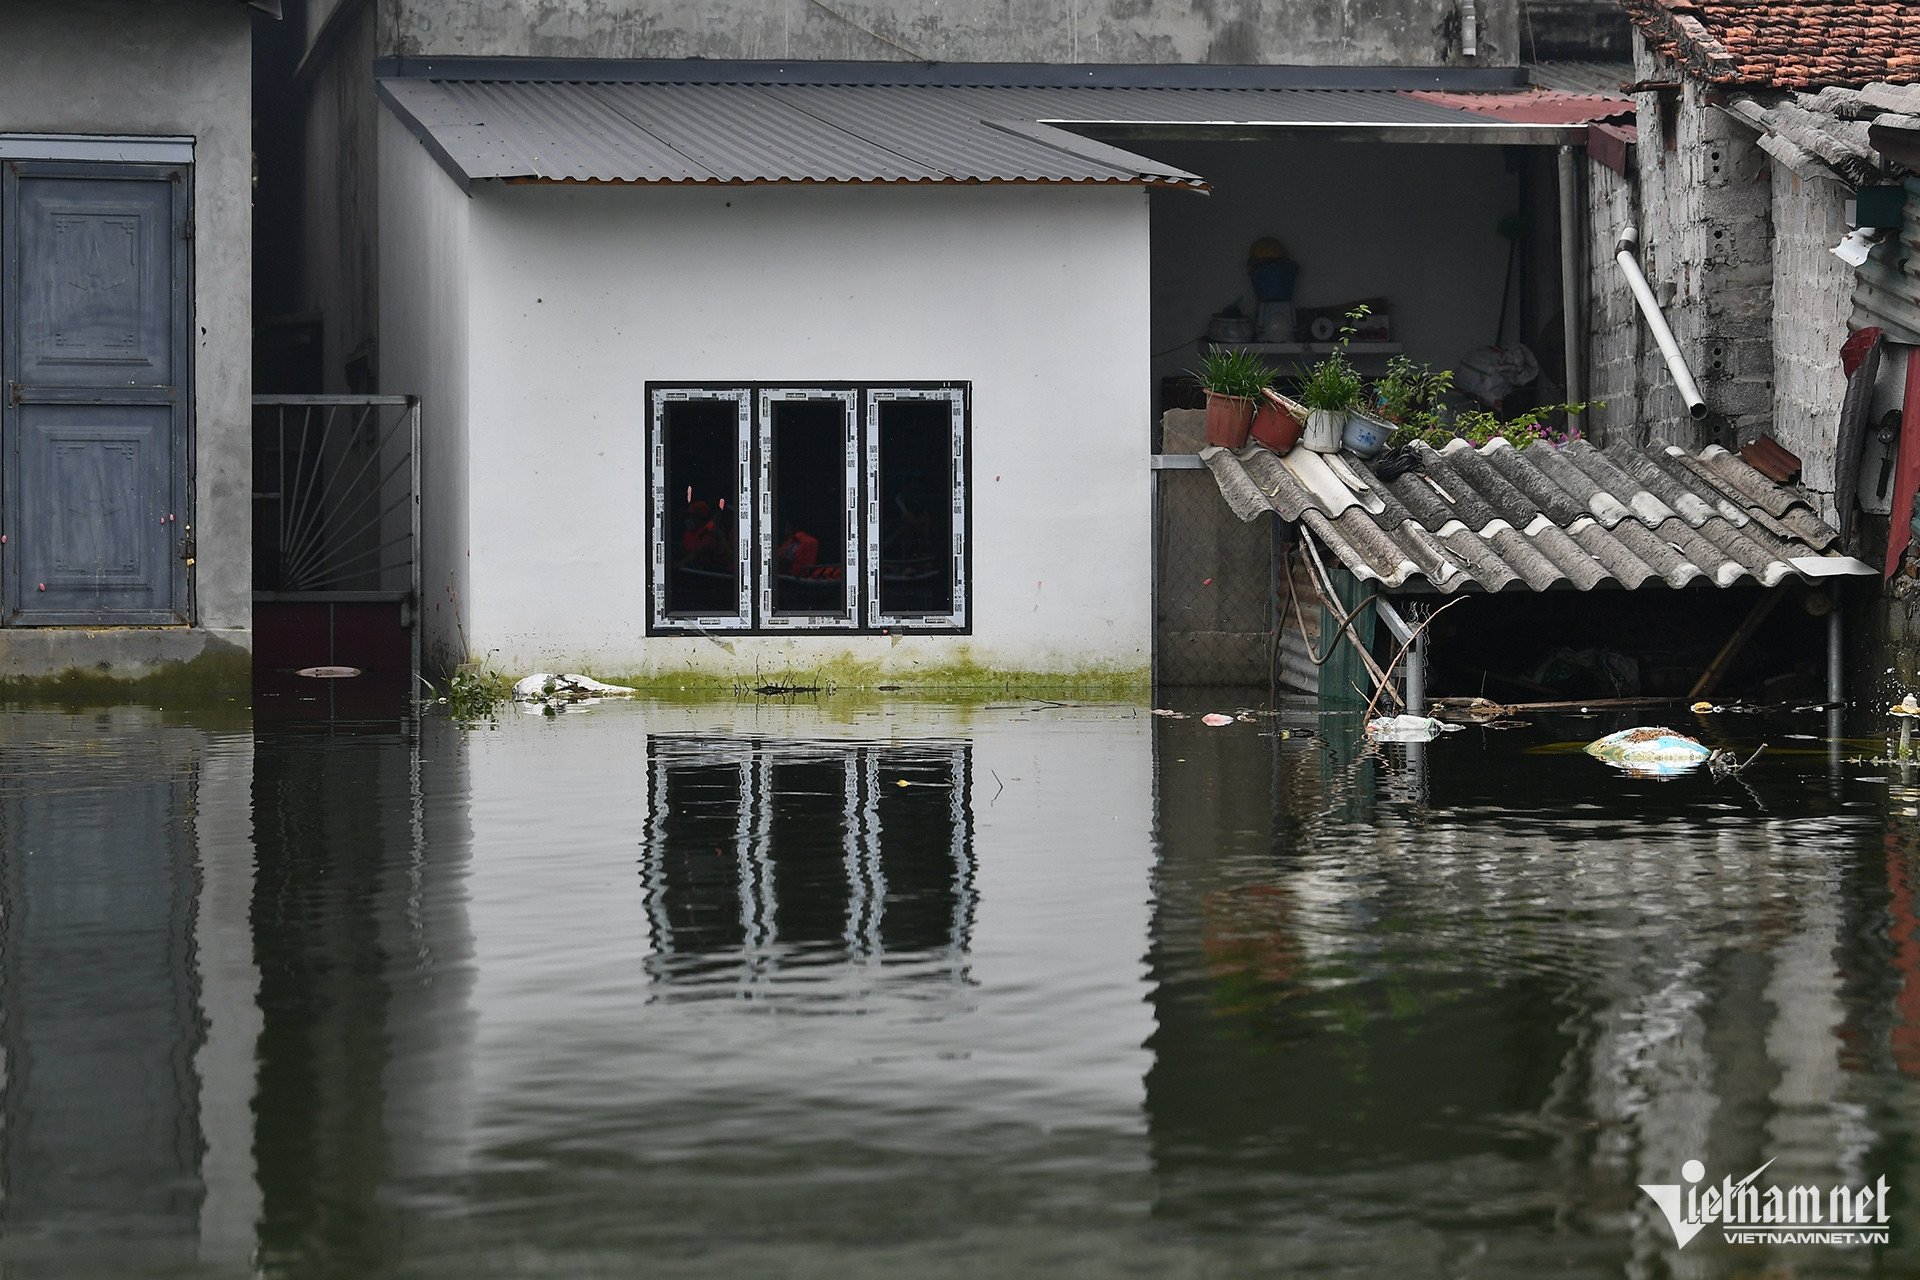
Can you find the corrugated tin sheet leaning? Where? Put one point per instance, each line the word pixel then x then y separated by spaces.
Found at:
pixel 1497 518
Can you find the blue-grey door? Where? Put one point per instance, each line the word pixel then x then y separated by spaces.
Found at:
pixel 94 478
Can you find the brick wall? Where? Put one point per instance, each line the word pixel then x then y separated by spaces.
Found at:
pixel 1615 333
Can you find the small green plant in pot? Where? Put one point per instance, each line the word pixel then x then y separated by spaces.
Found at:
pixel 1331 388
pixel 1233 380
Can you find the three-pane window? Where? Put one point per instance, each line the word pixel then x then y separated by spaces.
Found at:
pixel 808 508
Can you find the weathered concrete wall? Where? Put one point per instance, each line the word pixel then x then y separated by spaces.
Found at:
pixel 341 255
pixel 1036 296
pixel 163 67
pixel 1812 291
pixel 423 311
pixel 1704 205
pixel 1342 32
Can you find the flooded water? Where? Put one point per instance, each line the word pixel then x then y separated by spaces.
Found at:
pixel 844 990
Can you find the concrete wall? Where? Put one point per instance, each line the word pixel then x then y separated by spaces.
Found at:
pixel 341 254
pixel 1412 224
pixel 423 311
pixel 1348 32
pixel 178 67
pixel 1813 296
pixel 1704 210
pixel 1036 296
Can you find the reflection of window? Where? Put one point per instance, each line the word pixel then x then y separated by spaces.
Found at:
pixel 768 857
pixel 845 508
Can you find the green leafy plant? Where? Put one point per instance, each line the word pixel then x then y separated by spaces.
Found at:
pixel 1332 382
pixel 1410 394
pixel 1233 371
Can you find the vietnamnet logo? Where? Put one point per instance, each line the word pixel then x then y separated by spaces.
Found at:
pixel 1746 1214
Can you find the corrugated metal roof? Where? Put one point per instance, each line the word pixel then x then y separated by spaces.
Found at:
pixel 1581 77
pixel 1537 106
pixel 647 132
pixel 1499 518
pixel 1886 287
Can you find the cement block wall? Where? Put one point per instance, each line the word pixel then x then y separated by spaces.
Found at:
pixel 1812 292
pixel 1340 32
pixel 162 68
pixel 1703 201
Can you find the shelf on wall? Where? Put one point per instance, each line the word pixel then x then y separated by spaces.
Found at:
pixel 1309 348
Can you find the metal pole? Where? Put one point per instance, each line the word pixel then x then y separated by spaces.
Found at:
pixel 1573 322
pixel 1417 674
pixel 413 506
pixel 1836 691
pixel 1623 253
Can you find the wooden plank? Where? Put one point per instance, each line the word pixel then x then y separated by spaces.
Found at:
pixel 1735 643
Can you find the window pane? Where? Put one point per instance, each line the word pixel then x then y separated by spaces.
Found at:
pixel 808 473
pixel 703 509
pixel 915 500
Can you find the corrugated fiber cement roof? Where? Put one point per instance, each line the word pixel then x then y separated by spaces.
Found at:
pixel 572 130
pixel 1497 518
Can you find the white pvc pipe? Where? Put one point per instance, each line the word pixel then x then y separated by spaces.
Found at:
pixel 1623 253
pixel 1469 30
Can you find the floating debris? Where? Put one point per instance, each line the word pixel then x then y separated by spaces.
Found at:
pixel 1215 719
pixel 543 686
pixel 1650 751
pixel 1408 728
pixel 1171 715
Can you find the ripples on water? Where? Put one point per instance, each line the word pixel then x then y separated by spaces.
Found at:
pixel 927 991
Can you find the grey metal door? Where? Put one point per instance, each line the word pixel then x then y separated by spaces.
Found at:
pixel 94 478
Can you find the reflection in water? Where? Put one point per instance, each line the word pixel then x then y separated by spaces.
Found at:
pixel 763 857
pixel 936 992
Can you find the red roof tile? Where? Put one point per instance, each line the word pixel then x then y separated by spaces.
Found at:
pixel 1534 106
pixel 1780 44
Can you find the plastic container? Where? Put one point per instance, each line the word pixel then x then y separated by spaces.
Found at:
pixel 1273 280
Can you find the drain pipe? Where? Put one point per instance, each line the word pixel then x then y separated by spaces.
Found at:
pixel 1469 30
pixel 1623 253
pixel 1573 316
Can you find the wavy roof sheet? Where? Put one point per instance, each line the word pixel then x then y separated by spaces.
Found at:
pixel 1497 518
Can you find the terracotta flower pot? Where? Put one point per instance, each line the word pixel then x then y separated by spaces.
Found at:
pixel 1228 420
pixel 1275 424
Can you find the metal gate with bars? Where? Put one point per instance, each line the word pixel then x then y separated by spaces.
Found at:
pixel 336 534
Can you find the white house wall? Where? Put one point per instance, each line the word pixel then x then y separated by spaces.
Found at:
pixel 1037 297
pixel 423 310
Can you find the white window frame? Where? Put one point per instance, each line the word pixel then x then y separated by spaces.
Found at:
pixel 957 402
pixel 848 617
pixel 742 618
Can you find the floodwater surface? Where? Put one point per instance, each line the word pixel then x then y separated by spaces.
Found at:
pixel 1022 989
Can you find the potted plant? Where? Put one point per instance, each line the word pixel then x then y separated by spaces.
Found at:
pixel 1278 421
pixel 1233 380
pixel 1331 389
pixel 1407 400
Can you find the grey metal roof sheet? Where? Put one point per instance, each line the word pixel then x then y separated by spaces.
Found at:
pixel 674 132
pixel 1497 518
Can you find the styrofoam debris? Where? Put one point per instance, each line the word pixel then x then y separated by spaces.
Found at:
pixel 1650 750
pixel 1215 719
pixel 543 686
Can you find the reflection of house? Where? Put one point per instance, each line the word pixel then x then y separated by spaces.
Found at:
pixel 124 336
pixel 763 857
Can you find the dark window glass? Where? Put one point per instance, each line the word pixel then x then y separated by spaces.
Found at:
pixel 702 440
pixel 915 502
pixel 809 472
